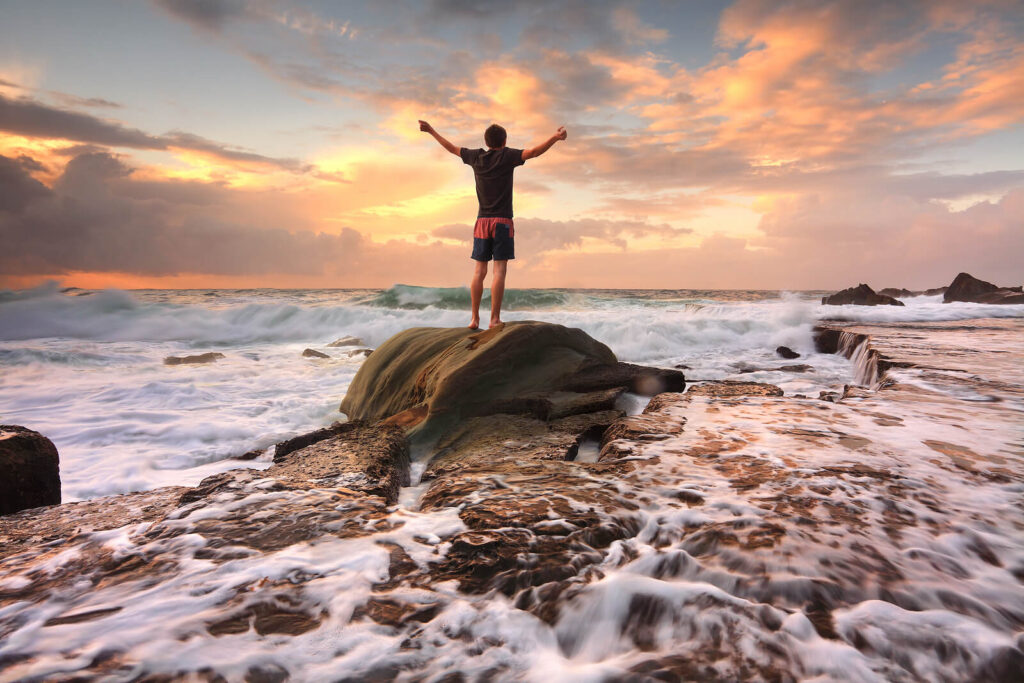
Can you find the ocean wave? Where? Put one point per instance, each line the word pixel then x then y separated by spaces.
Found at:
pixel 410 297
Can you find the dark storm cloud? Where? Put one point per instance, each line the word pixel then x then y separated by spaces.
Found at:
pixel 210 15
pixel 95 218
pixel 31 118
pixel 17 187
pixel 34 119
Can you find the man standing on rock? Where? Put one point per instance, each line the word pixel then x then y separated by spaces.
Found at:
pixel 494 233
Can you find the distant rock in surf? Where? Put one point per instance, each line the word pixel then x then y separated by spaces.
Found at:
pixel 347 341
pixel 210 357
pixel 901 293
pixel 313 353
pixel 29 470
pixel 970 289
pixel 861 295
pixel 787 353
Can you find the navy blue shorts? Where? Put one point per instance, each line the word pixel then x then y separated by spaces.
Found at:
pixel 494 238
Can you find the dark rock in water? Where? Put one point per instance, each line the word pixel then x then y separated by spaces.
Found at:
pixel 787 353
pixel 802 367
pixel 209 357
pixel 301 441
pixel 313 353
pixel 360 457
pixel 970 289
pixel 897 292
pixel 29 470
pixel 428 380
pixel 902 293
pixel 347 341
pixel 861 295
pixel 251 455
pixel 727 388
pixel 359 352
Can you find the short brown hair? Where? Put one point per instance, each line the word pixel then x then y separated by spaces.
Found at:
pixel 495 136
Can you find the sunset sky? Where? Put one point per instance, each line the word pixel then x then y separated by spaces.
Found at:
pixel 769 145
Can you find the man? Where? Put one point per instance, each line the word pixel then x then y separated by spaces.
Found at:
pixel 494 233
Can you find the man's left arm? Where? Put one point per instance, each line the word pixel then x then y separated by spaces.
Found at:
pixel 427 128
pixel 560 134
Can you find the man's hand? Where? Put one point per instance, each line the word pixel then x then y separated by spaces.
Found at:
pixel 427 128
pixel 560 134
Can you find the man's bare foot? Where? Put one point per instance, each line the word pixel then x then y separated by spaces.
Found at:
pixel 475 324
pixel 495 323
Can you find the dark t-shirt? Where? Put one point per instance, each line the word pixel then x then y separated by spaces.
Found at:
pixel 493 170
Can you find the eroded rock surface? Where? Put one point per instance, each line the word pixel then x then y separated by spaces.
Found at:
pixel 427 380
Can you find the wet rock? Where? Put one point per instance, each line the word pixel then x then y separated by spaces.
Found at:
pixel 801 367
pixel 266 618
pixel 646 427
pixel 429 380
pixel 267 673
pixel 283 448
pixel 729 389
pixel 968 288
pixel 347 341
pixel 209 357
pixel 861 295
pixel 371 459
pixel 365 353
pixel 396 613
pixel 29 470
pixel 787 353
pixel 638 379
pixel 313 353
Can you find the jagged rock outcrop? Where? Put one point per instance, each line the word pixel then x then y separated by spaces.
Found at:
pixel 29 470
pixel 861 295
pixel 428 380
pixel 968 288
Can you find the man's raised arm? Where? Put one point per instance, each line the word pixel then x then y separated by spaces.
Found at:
pixel 546 145
pixel 427 128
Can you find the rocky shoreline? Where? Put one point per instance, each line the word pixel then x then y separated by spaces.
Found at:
pixel 725 533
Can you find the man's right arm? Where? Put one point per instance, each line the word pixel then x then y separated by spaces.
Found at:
pixel 427 128
pixel 546 145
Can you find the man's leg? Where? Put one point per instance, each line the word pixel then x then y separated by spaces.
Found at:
pixel 497 291
pixel 476 291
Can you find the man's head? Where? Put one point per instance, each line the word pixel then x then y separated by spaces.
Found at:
pixel 495 136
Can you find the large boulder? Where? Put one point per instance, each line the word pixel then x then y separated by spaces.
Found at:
pixel 29 470
pixel 427 380
pixel 968 288
pixel 861 295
